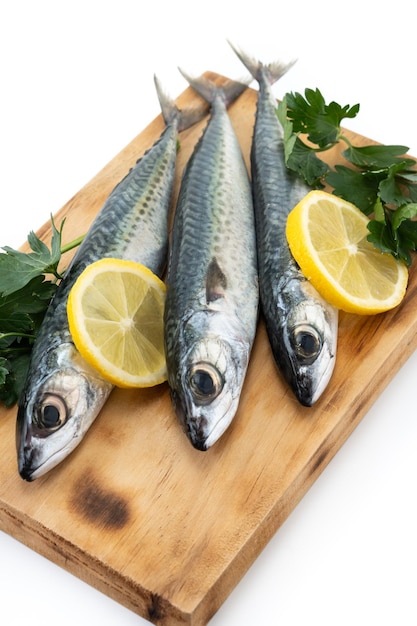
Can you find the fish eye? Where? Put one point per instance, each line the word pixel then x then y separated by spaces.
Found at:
pixel 307 343
pixel 206 382
pixel 52 412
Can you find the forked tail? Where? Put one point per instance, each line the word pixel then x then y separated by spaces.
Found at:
pixel 274 71
pixel 187 117
pixel 208 90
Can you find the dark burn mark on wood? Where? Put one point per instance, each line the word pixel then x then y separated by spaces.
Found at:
pixel 155 611
pixel 100 506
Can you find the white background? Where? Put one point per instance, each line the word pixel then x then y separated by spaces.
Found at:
pixel 76 87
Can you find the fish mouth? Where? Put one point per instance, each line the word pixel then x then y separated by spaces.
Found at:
pixel 302 384
pixel 30 474
pixel 29 469
pixel 306 396
pixel 194 428
pixel 25 452
pixel 26 473
pixel 196 431
pixel 29 464
pixel 307 387
pixel 32 461
pixel 200 430
pixel 199 443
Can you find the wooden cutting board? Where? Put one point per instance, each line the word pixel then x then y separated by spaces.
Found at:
pixel 135 511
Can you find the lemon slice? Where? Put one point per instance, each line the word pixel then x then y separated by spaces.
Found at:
pixel 115 315
pixel 328 238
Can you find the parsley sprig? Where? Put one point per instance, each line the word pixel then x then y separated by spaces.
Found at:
pixel 28 282
pixel 381 180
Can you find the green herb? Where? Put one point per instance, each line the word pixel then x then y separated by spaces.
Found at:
pixel 28 281
pixel 378 179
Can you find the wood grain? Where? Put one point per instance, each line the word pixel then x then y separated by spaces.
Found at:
pixel 135 511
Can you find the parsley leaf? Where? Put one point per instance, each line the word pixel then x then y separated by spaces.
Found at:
pixel 18 268
pixel 318 120
pixel 305 162
pixel 28 282
pixel 374 157
pixel 298 156
pixel 12 377
pixel 354 186
pixel 380 180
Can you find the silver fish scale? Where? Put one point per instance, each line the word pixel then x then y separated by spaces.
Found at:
pixel 63 395
pixel 212 222
pixel 212 285
pixel 297 319
pixel 132 224
pixel 276 190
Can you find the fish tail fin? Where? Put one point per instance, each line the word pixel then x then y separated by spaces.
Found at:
pixel 274 71
pixel 208 90
pixel 169 109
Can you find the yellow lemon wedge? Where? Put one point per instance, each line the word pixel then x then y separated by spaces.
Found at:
pixel 115 315
pixel 327 237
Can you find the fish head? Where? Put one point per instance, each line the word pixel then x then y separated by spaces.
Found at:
pixel 58 405
pixel 310 341
pixel 206 385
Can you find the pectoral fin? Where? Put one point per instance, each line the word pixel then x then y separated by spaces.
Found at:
pixel 216 282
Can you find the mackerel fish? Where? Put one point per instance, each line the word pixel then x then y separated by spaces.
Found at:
pixel 63 394
pixel 302 327
pixel 212 282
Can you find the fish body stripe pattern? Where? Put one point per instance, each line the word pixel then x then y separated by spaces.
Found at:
pixel 212 284
pixel 213 226
pixel 63 394
pixel 301 326
pixel 276 191
pixel 132 224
